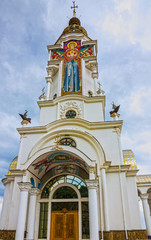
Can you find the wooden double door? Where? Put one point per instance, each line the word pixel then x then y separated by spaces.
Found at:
pixel 64 225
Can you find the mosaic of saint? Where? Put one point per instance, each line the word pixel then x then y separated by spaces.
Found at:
pixel 72 53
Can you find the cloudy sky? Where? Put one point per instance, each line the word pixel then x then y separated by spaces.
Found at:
pixel 123 31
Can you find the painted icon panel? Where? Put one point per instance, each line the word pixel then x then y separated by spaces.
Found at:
pixel 71 55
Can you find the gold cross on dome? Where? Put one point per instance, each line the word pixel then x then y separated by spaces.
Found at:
pixel 74 7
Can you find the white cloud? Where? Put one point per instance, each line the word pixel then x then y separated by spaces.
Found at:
pixel 128 23
pixel 140 101
pixel 145 145
pixel 22 78
pixel 140 143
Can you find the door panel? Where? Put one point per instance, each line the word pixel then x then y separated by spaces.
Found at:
pixel 64 225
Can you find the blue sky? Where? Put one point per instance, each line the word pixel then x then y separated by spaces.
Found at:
pixel 123 31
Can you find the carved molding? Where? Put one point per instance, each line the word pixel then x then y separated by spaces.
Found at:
pixel 24 186
pixel 70 106
pixel 92 184
pixel 34 191
pixel 144 196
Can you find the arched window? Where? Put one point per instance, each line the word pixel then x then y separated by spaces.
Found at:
pixel 68 142
pixel 77 182
pixel 65 193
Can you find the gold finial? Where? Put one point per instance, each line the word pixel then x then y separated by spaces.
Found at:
pixel 100 91
pixel 74 7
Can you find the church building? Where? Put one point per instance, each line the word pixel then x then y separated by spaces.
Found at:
pixel 71 180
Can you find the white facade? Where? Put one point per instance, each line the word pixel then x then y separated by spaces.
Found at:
pixel 111 184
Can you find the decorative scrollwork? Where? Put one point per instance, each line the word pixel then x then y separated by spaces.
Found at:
pixel 70 106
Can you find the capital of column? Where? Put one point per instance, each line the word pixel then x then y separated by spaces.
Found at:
pixel 34 191
pixel 92 184
pixel 49 79
pixel 24 186
pixel 5 181
pixel 144 196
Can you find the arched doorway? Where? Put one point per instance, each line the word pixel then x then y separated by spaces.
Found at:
pixel 64 210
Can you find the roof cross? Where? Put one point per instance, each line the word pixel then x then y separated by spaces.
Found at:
pixel 74 7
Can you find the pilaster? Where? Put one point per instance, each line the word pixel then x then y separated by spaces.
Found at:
pixel 22 210
pixel 144 198
pixel 93 209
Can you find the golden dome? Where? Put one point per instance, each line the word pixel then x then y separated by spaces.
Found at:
pixel 129 159
pixel 74 20
pixel 13 165
pixel 75 26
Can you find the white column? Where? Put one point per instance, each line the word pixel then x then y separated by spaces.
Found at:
pixel 105 200
pixel 5 207
pixel 22 209
pixel 31 213
pixel 95 78
pixel 94 68
pixel 93 210
pixel 49 81
pixel 144 198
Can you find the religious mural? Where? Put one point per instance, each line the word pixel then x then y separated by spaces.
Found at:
pixel 63 162
pixel 72 53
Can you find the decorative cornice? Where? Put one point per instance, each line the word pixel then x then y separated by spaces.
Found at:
pixel 73 97
pixel 132 173
pixel 105 165
pixel 92 184
pixel 17 172
pixel 117 168
pixel 24 186
pixel 54 47
pixel 77 122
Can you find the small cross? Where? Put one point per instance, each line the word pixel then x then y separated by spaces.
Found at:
pixel 99 85
pixel 74 6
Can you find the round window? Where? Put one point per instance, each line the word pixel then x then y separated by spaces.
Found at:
pixel 71 114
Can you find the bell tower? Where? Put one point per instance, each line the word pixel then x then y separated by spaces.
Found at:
pixel 72 77
pixel 72 66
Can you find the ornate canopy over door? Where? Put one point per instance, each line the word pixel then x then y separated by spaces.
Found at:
pixel 64 225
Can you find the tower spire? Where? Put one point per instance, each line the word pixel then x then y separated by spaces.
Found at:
pixel 74 8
